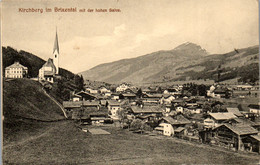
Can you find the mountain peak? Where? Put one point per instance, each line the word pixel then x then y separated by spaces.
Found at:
pixel 191 49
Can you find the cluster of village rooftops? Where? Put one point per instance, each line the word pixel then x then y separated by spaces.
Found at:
pixel 170 113
pixel 207 119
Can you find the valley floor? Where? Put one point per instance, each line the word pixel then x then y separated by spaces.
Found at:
pixel 63 143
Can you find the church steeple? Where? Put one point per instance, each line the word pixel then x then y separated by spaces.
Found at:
pixel 56 43
pixel 56 53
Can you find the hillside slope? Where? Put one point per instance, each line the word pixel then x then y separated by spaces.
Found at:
pixel 24 102
pixel 187 61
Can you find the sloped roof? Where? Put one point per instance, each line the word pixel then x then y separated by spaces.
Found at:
pixel 157 95
pixel 114 103
pixel 179 129
pixel 147 109
pixel 81 93
pixel 177 120
pixel 75 95
pixel 172 90
pixel 173 113
pixel 235 111
pixel 131 90
pixel 146 90
pixel 166 96
pixel 90 103
pixel 115 94
pixel 72 104
pixel 256 137
pixel 222 115
pixel 244 121
pixel 240 129
pixel 49 63
pixel 16 65
pixel 254 106
pixel 129 95
pixel 93 111
pixel 177 101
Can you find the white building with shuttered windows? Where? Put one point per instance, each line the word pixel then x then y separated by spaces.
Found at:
pixel 16 70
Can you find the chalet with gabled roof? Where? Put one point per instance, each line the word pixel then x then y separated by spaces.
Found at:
pixel 86 96
pixel 233 136
pixel 216 119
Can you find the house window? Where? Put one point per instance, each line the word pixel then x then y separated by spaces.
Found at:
pixel 55 56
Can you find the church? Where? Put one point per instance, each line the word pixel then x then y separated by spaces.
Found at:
pixel 51 68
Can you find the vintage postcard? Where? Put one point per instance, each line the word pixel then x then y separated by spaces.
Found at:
pixel 130 82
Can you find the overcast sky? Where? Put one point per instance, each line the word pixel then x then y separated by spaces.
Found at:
pixel 142 26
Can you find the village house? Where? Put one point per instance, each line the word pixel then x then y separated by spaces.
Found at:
pixel 165 129
pixel 90 115
pixel 113 108
pixel 115 96
pixel 244 87
pixel 69 105
pixel 107 94
pixel 216 119
pixel 254 108
pixel 91 90
pixel 76 97
pixel 233 136
pixel 171 124
pixel 103 103
pixel 220 93
pixel 210 92
pixel 167 99
pixel 252 143
pixel 129 96
pixel 86 96
pixel 172 91
pixel 132 90
pixel 193 109
pixel 100 120
pixel 103 90
pixel 94 104
pixel 122 87
pixel 149 90
pixel 179 109
pixel 152 98
pixel 16 70
pixel 168 108
pixel 147 114
pixel 147 110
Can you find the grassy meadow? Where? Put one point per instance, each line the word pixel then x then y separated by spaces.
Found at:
pixel 64 143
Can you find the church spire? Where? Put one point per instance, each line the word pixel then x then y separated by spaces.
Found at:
pixel 56 53
pixel 56 44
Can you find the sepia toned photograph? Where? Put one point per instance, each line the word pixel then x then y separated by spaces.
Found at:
pixel 130 82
